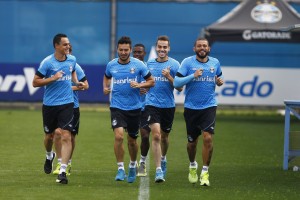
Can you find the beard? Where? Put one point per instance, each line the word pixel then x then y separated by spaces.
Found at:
pixel 202 56
pixel 124 58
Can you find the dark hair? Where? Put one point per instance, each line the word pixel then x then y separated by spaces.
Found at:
pixel 71 49
pixel 57 38
pixel 163 38
pixel 125 40
pixel 201 38
pixel 140 45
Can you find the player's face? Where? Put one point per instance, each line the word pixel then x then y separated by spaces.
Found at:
pixel 162 49
pixel 202 48
pixel 139 53
pixel 124 51
pixel 63 47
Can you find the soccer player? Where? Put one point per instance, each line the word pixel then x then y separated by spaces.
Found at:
pixel 125 104
pixel 160 105
pixel 55 73
pixel 200 73
pixel 57 135
pixel 139 52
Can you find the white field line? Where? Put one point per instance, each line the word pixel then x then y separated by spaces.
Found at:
pixel 144 190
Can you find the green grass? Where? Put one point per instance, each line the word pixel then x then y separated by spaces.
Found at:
pixel 246 164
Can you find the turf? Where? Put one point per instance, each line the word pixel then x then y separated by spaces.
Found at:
pixel 246 164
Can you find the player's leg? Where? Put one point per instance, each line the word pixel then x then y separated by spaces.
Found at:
pixel 156 149
pixel 57 147
pixel 49 127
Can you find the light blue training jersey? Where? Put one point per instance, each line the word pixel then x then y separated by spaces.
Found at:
pixel 81 77
pixel 200 93
pixel 161 95
pixel 143 96
pixel 123 96
pixel 60 91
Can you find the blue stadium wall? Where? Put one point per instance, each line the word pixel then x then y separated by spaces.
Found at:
pixel 27 29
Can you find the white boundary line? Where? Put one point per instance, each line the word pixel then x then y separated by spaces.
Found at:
pixel 144 190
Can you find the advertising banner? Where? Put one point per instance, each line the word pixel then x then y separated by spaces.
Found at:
pixel 16 84
pixel 255 86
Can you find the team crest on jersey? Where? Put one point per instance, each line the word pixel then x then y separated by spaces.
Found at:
pixel 132 70
pixel 194 68
pixel 212 70
pixel 71 68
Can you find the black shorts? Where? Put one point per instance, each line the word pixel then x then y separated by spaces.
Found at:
pixel 144 123
pixel 199 120
pixel 163 116
pixel 128 119
pixel 76 121
pixel 58 117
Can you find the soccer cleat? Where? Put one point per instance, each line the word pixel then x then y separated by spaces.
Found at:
pixel 131 175
pixel 159 176
pixel 164 166
pixel 56 171
pixel 142 170
pixel 62 178
pixel 49 165
pixel 204 181
pixel 68 170
pixel 193 177
pixel 120 175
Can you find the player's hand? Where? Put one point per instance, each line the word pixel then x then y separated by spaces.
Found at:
pixel 198 73
pixel 134 84
pixel 166 72
pixel 80 85
pixel 143 91
pixel 219 81
pixel 58 75
pixel 106 90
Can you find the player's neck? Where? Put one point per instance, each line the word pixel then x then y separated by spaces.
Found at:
pixel 203 60
pixel 59 56
pixel 164 59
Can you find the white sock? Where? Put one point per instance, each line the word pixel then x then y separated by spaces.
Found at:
pixel 132 164
pixel 63 168
pixel 49 155
pixel 194 164
pixel 163 158
pixel 204 169
pixel 59 160
pixel 70 161
pixel 143 159
pixel 120 165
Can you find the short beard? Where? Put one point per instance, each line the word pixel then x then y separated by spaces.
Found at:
pixel 202 57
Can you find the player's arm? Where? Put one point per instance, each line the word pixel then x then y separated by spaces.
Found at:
pixel 181 80
pixel 39 79
pixel 149 82
pixel 106 84
pixel 78 84
pixel 84 87
pixel 219 80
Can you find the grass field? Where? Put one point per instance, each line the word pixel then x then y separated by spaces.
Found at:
pixel 246 164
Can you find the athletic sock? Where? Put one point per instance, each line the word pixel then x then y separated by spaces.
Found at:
pixel 49 155
pixel 143 159
pixel 120 165
pixel 63 168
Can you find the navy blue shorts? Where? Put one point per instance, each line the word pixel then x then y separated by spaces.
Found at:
pixel 128 119
pixel 199 120
pixel 58 117
pixel 163 116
